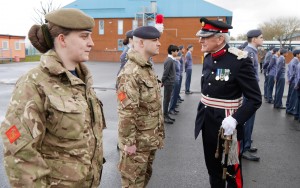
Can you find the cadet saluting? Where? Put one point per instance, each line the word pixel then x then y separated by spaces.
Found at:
pixel 52 131
pixel 227 75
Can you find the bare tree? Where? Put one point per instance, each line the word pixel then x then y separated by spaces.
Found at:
pixel 281 29
pixel 45 8
pixel 242 37
pixel 232 38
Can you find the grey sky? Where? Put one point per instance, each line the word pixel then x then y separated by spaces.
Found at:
pixel 16 16
pixel 248 14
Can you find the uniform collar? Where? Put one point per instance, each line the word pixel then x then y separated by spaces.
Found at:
pixel 253 47
pixel 53 64
pixel 137 58
pixel 220 52
pixel 170 56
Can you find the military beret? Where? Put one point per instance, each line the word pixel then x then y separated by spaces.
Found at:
pixel 254 33
pixel 189 46
pixel 275 50
pixel 241 47
pixel 271 47
pixel 295 52
pixel 211 27
pixel 146 32
pixel 180 47
pixel 71 18
pixel 129 34
pixel 283 50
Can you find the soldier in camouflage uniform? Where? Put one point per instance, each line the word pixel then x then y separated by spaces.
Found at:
pixel 141 128
pixel 52 131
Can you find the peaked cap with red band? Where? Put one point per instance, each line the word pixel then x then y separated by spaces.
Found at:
pixel 211 27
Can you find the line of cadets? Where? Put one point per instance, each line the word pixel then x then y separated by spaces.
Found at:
pixel 172 80
pixel 274 71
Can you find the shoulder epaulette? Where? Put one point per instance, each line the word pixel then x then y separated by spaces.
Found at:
pixel 239 53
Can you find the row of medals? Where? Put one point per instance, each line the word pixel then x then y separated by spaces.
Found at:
pixel 223 74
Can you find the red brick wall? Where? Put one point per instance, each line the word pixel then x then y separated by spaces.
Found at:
pixel 178 31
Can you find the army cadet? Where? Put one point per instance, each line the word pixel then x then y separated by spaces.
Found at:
pixel 297 88
pixel 291 76
pixel 141 126
pixel 188 68
pixel 266 62
pixel 52 131
pixel 181 60
pixel 227 75
pixel 280 79
pixel 128 44
pixel 271 71
pixel 255 40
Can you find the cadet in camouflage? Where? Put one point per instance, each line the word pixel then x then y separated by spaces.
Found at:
pixel 52 131
pixel 141 128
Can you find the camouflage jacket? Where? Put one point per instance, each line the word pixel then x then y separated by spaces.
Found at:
pixel 139 105
pixel 52 131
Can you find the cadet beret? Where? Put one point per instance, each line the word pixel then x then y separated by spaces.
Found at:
pixel 241 47
pixel 275 50
pixel 254 33
pixel 180 47
pixel 146 32
pixel 271 47
pixel 211 27
pixel 189 46
pixel 71 18
pixel 283 50
pixel 129 34
pixel 295 52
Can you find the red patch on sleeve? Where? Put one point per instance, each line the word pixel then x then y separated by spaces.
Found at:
pixel 12 134
pixel 121 96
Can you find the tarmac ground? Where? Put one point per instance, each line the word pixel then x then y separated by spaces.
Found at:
pixel 181 162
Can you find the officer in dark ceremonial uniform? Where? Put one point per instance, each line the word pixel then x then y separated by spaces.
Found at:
pixel 227 75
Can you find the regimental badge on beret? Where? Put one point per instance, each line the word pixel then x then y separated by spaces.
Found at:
pixel 239 53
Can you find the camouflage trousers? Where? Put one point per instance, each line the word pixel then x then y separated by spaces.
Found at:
pixel 136 170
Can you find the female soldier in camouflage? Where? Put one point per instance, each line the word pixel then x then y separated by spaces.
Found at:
pixel 52 131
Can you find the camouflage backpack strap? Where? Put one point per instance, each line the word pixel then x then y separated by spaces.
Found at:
pixel 239 53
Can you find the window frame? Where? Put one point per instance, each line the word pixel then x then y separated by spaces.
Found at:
pixel 19 45
pixel 101 27
pixel 120 27
pixel 7 45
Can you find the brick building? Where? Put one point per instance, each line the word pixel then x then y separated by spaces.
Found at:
pixel 12 48
pixel 114 17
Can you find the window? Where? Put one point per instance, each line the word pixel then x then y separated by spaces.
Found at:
pixel 17 45
pixel 101 27
pixel 120 27
pixel 120 45
pixel 5 45
pixel 134 24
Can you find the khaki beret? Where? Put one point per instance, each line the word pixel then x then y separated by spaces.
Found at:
pixel 70 18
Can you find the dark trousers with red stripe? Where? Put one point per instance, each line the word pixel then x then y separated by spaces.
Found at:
pixel 214 165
